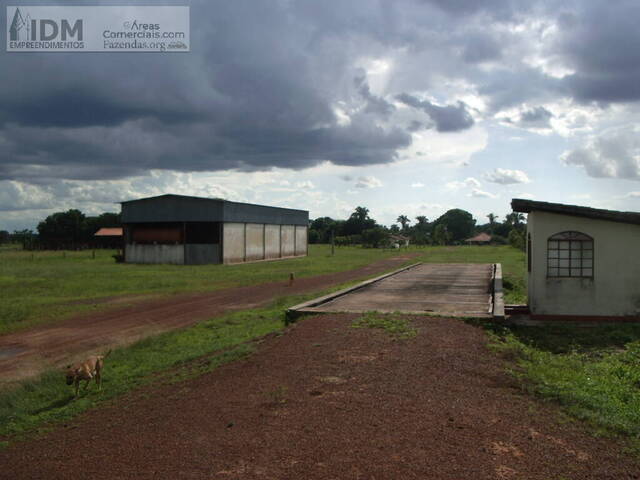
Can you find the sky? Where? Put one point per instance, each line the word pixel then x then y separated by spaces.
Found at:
pixel 406 107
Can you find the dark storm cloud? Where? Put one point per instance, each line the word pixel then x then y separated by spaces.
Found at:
pixel 266 82
pixel 601 41
pixel 478 48
pixel 538 117
pixel 450 118
pixel 376 105
pixel 256 92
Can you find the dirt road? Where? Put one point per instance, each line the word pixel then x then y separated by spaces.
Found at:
pixel 26 353
pixel 327 401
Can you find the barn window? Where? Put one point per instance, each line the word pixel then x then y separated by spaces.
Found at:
pixel 570 254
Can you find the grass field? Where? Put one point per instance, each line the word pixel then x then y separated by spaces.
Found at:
pixel 46 286
pixel 592 372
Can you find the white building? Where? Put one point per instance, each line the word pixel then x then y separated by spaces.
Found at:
pixel 583 263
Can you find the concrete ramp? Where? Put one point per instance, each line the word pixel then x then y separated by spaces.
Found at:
pixel 458 290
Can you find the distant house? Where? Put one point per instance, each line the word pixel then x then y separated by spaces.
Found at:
pixel 398 241
pixel 480 239
pixel 582 263
pixel 109 237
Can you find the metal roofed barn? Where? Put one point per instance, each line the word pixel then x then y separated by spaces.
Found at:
pixel 188 230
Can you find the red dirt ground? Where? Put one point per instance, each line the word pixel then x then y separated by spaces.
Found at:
pixel 327 401
pixel 34 350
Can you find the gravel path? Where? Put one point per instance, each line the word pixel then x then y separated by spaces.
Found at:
pixel 327 401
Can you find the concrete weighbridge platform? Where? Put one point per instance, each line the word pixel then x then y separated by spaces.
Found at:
pixel 455 290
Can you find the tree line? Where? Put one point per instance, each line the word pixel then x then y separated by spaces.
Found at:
pixel 73 229
pixel 63 230
pixel 451 228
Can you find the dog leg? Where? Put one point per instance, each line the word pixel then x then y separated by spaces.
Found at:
pixel 99 380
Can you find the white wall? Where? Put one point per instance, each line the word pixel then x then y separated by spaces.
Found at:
pixel 272 241
pixel 255 241
pixel 615 287
pixel 287 240
pixel 301 240
pixel 233 242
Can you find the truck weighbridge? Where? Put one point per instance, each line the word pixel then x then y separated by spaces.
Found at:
pixel 186 230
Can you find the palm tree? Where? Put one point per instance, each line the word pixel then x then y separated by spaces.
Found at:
pixel 361 214
pixel 404 221
pixel 515 219
pixel 492 221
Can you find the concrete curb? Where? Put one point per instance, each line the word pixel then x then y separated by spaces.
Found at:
pixel 497 296
pixel 301 309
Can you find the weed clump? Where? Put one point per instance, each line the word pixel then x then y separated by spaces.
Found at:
pixel 394 324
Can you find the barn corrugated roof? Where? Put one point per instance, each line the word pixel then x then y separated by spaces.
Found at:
pixel 183 208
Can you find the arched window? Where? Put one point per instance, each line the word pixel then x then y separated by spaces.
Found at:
pixel 570 254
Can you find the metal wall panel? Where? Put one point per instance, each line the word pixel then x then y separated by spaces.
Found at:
pixel 137 253
pixel 233 243
pixel 202 253
pixel 287 240
pixel 255 241
pixel 301 240
pixel 272 241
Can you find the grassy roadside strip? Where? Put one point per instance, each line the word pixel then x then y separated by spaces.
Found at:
pixel 589 373
pixel 44 287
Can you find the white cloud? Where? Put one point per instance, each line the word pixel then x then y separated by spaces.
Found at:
pixel 632 195
pixel 368 182
pixel 504 176
pixel 469 182
pixel 307 185
pixel 613 154
pixel 417 185
pixel 476 192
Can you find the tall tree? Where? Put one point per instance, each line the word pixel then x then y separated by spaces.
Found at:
pixel 515 219
pixel 404 221
pixel 492 221
pixel 64 229
pixel 358 222
pixel 459 223
pixel 441 235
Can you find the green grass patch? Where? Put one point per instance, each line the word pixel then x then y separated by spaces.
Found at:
pixel 47 286
pixel 593 373
pixel 396 325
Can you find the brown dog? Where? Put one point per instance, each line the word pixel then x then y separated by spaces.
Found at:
pixel 86 370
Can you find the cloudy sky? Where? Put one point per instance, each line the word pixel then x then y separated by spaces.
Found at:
pixel 406 107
